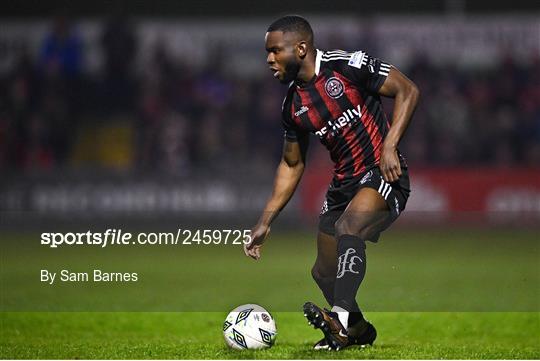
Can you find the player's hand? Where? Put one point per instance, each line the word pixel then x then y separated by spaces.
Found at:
pixel 258 235
pixel 389 165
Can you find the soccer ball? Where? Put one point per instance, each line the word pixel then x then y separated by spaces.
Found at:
pixel 249 327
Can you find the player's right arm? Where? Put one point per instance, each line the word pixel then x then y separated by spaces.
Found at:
pixel 288 175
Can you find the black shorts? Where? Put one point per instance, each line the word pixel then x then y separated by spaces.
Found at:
pixel 340 193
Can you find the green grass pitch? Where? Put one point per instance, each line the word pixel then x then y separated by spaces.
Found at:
pixel 192 335
pixel 438 294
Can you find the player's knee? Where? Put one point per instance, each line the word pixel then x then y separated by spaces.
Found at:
pixel 346 225
pixel 368 233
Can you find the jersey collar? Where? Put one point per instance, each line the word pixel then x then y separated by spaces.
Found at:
pixel 317 69
pixel 318 61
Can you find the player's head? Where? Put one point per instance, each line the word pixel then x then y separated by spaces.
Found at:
pixel 288 40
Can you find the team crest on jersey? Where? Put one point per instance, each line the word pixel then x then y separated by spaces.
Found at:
pixel 334 87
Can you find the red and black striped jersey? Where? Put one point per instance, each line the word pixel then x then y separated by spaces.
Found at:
pixel 342 107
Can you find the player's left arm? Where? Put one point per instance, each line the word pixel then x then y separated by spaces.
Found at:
pixel 406 95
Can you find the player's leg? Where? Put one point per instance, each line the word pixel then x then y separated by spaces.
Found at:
pixel 324 269
pixel 366 216
pixel 370 211
pixel 324 272
pixel 364 219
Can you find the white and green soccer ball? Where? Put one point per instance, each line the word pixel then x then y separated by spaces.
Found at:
pixel 249 327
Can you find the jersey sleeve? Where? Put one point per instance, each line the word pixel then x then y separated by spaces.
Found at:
pixel 366 71
pixel 292 132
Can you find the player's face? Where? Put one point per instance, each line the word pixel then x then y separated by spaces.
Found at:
pixel 282 56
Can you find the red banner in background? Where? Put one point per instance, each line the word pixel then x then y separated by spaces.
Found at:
pixel 455 190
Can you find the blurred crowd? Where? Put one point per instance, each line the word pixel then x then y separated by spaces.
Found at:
pixel 180 119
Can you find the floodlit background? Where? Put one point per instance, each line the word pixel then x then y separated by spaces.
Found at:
pixel 163 115
pixel 170 108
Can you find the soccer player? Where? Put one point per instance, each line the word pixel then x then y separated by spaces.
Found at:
pixel 336 95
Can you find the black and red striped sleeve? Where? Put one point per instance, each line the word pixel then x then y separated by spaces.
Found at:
pixel 292 131
pixel 366 71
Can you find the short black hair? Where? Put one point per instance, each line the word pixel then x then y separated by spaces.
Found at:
pixel 292 24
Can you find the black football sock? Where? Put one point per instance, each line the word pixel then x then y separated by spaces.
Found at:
pixel 351 271
pixel 355 307
pixel 357 324
pixel 356 318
